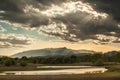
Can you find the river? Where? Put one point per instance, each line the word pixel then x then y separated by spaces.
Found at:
pixel 62 71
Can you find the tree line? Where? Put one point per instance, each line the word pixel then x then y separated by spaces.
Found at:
pixel 97 59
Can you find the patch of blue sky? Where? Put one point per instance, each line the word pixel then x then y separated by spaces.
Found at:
pixel 35 34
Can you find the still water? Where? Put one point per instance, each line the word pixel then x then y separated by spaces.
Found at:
pixel 74 70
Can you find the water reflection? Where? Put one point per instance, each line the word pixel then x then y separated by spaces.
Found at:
pixel 81 70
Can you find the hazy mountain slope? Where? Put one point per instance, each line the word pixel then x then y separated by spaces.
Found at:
pixel 52 52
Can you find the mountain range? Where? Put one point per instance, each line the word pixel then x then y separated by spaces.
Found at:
pixel 52 52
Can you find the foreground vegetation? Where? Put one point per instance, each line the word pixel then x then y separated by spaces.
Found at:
pixel 28 64
pixel 97 59
pixel 24 63
pixel 104 76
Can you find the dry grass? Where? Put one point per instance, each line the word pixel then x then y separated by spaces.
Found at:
pixel 67 77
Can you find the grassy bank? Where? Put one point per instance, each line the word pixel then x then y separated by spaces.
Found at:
pixel 32 67
pixel 104 76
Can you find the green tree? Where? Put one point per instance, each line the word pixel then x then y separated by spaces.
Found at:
pixel 8 62
pixel 23 63
pixel 99 62
pixel 73 59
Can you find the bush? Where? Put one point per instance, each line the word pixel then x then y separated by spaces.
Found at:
pixel 23 63
pixel 98 63
pixel 9 62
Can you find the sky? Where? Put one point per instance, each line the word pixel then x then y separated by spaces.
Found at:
pixel 75 24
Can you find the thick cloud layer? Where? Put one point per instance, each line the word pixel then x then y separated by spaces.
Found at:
pixel 72 20
pixel 11 40
pixel 109 6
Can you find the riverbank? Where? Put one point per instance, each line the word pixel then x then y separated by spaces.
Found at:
pixel 112 74
pixel 103 76
pixel 32 67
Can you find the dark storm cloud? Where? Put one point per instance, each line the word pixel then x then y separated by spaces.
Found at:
pixel 86 27
pixel 112 7
pixel 80 24
pixel 14 11
pixel 10 5
pixel 50 2
pixel 32 21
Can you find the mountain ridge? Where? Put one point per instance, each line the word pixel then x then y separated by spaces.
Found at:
pixel 52 52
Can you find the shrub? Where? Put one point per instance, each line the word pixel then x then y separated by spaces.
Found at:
pixel 98 63
pixel 9 62
pixel 23 63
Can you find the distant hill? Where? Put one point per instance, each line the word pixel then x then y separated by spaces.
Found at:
pixel 52 52
pixel 1 56
pixel 111 53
